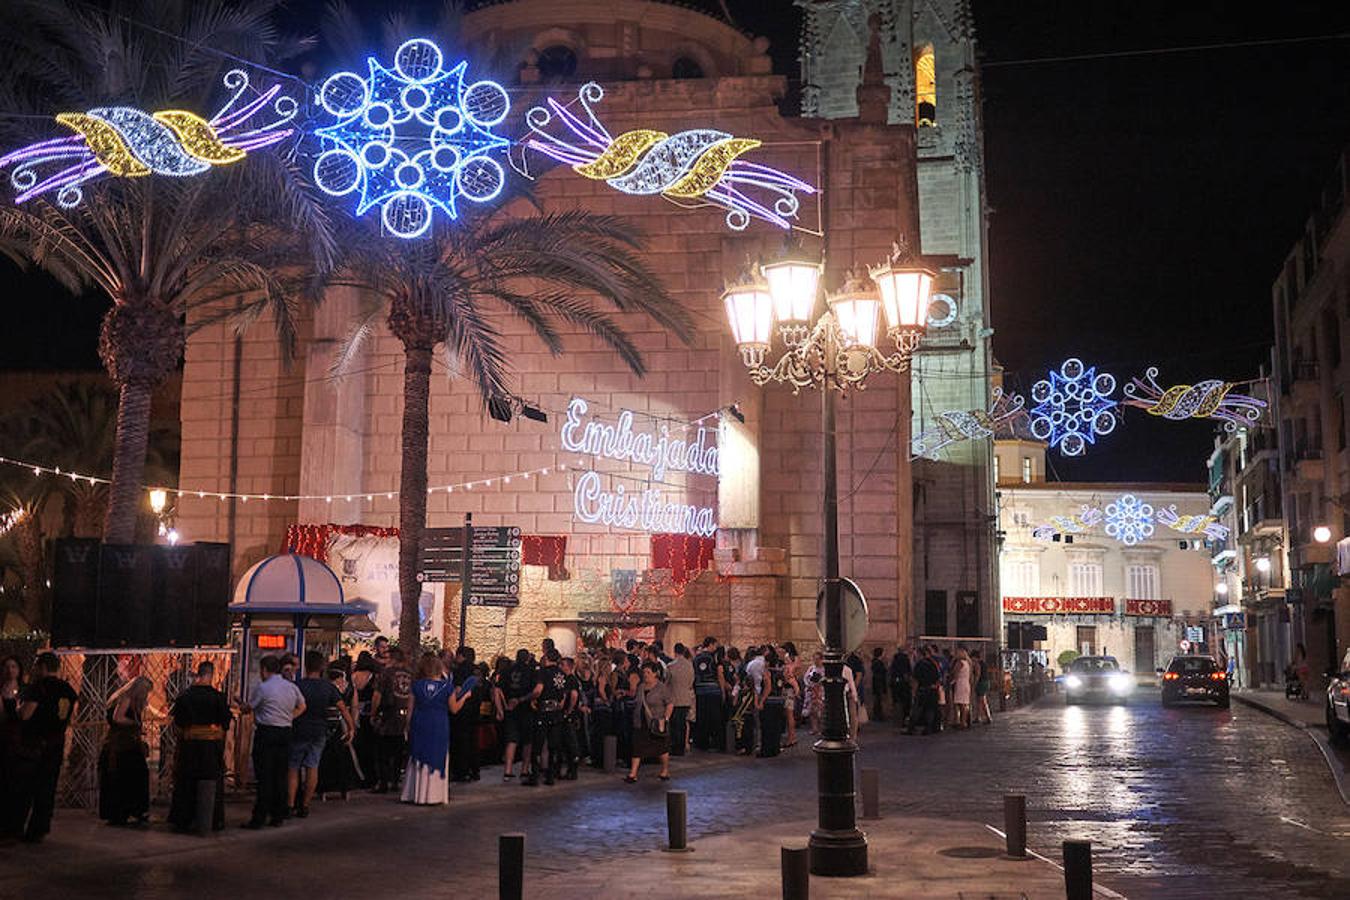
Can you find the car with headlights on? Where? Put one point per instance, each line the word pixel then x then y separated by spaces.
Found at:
pixel 1194 677
pixel 1096 678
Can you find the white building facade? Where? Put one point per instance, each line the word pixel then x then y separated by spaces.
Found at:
pixel 1093 592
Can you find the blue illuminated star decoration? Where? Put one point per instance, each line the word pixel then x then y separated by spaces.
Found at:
pixel 1073 407
pixel 411 140
pixel 1129 520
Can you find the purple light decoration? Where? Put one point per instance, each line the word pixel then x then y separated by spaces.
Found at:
pixel 65 182
pixel 1208 399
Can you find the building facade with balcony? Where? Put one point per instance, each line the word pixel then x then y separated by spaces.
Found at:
pixel 1061 568
pixel 1311 303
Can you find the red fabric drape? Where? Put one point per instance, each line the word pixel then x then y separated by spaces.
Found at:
pixel 312 540
pixel 685 555
pixel 545 550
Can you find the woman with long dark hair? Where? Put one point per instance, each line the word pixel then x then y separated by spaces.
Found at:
pixel 772 704
pixel 11 686
pixel 123 776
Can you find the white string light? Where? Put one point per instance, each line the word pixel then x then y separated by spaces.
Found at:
pixel 12 518
pixel 40 470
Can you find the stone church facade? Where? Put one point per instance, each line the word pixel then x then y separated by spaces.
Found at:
pixel 252 425
pixel 928 51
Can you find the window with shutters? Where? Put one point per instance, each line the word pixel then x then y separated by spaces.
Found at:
pixel 1085 579
pixel 1141 582
pixel 1024 578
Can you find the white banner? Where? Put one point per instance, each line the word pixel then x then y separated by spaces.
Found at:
pixel 368 569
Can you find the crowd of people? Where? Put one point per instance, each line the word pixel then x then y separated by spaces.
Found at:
pixel 387 723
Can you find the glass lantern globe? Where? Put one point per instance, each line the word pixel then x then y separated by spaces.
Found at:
pixel 750 314
pixel 856 310
pixel 905 291
pixel 793 283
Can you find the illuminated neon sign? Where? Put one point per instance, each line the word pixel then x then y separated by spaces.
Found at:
pixel 644 510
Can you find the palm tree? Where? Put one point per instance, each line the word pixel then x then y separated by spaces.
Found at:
pixel 159 248
pixel 545 270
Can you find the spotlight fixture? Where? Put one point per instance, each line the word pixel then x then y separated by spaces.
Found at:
pixel 735 410
pixel 533 413
pixel 499 408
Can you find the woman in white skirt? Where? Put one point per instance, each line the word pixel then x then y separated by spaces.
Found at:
pixel 434 700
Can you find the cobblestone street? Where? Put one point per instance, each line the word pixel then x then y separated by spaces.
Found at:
pixel 1186 802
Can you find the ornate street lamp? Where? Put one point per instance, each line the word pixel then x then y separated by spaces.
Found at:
pixel 835 353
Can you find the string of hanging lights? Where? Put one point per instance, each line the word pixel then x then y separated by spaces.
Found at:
pixel 12 518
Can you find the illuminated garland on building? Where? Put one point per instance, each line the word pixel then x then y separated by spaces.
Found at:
pixel 124 142
pixel 1073 407
pixel 701 164
pixel 412 140
pixel 1129 520
pixel 12 518
pixel 1087 518
pixel 1208 399
pixel 1193 524
pixel 957 425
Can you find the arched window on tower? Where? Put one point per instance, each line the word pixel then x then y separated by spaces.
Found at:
pixel 685 67
pixel 557 63
pixel 925 86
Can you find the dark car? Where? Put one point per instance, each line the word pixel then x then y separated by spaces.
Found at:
pixel 1194 678
pixel 1096 678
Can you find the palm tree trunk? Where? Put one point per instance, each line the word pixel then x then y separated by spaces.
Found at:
pixel 28 544
pixel 133 433
pixel 412 507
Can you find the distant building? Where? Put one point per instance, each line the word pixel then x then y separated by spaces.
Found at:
pixel 1311 299
pixel 929 60
pixel 1092 592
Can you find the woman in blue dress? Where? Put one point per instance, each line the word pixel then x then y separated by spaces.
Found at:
pixel 434 700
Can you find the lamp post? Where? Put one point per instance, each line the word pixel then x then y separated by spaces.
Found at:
pixel 835 353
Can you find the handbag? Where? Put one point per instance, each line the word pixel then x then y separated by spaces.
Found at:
pixel 655 727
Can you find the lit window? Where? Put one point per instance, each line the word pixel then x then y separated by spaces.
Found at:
pixel 1026 470
pixel 925 86
pixel 996 469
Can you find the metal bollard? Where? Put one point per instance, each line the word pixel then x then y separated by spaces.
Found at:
pixel 677 822
pixel 731 737
pixel 1015 824
pixel 796 873
pixel 511 866
pixel 611 752
pixel 871 793
pixel 1078 870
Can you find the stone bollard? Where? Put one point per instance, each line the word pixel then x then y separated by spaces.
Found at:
pixel 1078 870
pixel 871 793
pixel 677 822
pixel 731 737
pixel 1015 824
pixel 511 866
pixel 796 873
pixel 611 752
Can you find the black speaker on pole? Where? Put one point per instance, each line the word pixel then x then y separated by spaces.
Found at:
pixel 126 587
pixel 75 592
pixel 211 615
pixel 174 595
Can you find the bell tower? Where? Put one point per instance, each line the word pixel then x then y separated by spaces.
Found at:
pixel 929 63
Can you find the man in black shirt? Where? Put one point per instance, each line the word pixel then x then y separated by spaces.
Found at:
pixel 203 716
pixel 901 690
pixel 519 717
pixel 927 675
pixel 550 687
pixel 45 708
pixel 709 731
pixel 572 720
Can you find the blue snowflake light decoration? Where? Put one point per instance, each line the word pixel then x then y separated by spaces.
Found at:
pixel 411 140
pixel 1129 520
pixel 1073 407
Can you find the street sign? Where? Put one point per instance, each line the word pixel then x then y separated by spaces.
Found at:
pixel 1195 634
pixel 1185 645
pixel 494 566
pixel 854 609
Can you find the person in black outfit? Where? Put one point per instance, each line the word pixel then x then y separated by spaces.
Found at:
pixel 878 685
pixel 546 700
pixel 45 708
pixel 464 762
pixel 571 721
pixel 709 731
pixel 927 675
pixel 203 716
pixel 519 718
pixel 773 712
pixel 901 690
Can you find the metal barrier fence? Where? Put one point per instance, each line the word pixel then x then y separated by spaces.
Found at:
pixel 96 675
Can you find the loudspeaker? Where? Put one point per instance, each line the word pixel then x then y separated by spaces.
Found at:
pixel 173 596
pixel 211 614
pixel 75 592
pixel 125 590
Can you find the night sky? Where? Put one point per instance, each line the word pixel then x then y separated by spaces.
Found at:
pixel 1141 204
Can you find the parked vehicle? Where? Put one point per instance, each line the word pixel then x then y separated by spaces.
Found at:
pixel 1338 703
pixel 1194 677
pixel 1096 678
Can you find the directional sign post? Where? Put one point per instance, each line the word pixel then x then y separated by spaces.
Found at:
pixel 485 561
